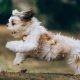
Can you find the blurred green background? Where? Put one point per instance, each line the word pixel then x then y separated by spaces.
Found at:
pixel 55 14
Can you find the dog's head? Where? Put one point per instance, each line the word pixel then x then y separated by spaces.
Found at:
pixel 19 22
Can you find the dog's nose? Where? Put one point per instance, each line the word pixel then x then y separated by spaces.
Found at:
pixel 14 32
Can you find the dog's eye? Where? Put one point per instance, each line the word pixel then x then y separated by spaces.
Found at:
pixel 13 23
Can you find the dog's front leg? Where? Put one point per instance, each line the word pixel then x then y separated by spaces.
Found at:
pixel 19 58
pixel 13 45
pixel 22 46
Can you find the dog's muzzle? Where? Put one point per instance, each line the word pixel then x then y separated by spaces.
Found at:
pixel 13 32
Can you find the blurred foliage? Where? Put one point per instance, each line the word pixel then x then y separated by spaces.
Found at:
pixel 55 14
pixel 61 14
pixel 5 10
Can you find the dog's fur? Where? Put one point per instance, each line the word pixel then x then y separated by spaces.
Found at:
pixel 38 41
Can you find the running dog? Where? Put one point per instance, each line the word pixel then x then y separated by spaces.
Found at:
pixel 35 39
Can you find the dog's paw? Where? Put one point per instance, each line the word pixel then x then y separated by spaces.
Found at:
pixel 8 45
pixel 17 62
pixel 19 58
pixel 12 45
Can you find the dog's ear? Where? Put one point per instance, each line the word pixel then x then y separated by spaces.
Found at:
pixel 27 15
pixel 15 12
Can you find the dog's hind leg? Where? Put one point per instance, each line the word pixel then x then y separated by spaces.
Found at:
pixel 74 62
pixel 19 58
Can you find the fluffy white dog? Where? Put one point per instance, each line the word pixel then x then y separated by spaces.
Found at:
pixel 38 41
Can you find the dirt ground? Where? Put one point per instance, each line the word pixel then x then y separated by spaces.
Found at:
pixel 38 76
pixel 31 64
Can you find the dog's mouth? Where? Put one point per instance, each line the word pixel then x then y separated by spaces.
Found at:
pixel 15 34
pixel 18 35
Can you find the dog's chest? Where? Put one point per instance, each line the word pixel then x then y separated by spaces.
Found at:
pixel 43 40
